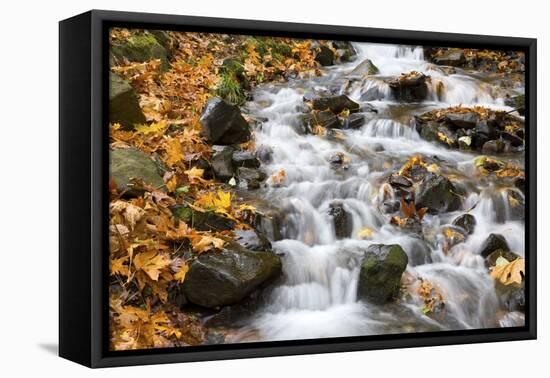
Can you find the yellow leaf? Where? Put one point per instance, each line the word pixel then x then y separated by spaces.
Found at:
pixel 195 174
pixel 180 275
pixel 365 233
pixel 172 184
pixel 174 152
pixel 205 243
pixel 155 128
pixel 511 273
pixel 219 202
pixel 131 213
pixel 116 266
pixel 151 263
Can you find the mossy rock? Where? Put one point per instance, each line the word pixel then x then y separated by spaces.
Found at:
pixel 381 271
pixel 366 67
pixel 141 47
pixel 202 220
pixel 128 164
pixel 223 278
pixel 123 103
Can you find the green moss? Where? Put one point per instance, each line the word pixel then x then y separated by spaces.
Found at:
pixel 141 47
pixel 230 89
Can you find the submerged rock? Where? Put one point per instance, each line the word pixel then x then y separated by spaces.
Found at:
pixel 341 220
pixel 222 123
pixel 223 278
pixel 493 243
pixel 128 164
pixel 251 177
pixel 381 271
pixel 123 103
pixel 245 159
pixel 438 194
pixel 325 118
pixel 252 240
pixel 467 222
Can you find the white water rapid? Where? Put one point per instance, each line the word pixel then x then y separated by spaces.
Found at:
pixel 317 295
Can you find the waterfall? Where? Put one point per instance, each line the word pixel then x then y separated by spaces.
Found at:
pixel 317 294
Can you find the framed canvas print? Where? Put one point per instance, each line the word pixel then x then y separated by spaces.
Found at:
pixel 234 188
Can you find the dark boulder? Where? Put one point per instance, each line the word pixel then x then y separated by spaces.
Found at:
pixel 515 299
pixel 202 220
pixel 345 50
pixel 464 120
pixel 341 220
pixel 397 180
pixel 129 164
pixel 222 123
pixel 336 104
pixel 366 67
pixel 123 103
pixel 222 162
pixel 438 194
pixel 324 56
pixel 467 222
pixel 493 243
pixel 224 278
pixel 381 271
pixel 411 87
pixel 325 118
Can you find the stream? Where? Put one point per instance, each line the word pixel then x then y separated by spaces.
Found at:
pixel 317 295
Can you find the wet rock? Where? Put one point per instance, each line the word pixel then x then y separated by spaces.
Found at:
pixel 519 183
pixel 141 47
pixel 411 87
pixel 123 103
pixel 366 67
pixel 252 240
pixel 372 93
pixel 335 104
pixel 389 207
pixel 381 271
pixel 264 153
pixel 245 159
pixel 341 220
pixel 222 123
pixel 176 296
pixel 452 236
pixel 450 58
pixel 251 177
pixel 516 102
pixel 514 140
pixel 346 51
pixel 467 222
pixel 418 252
pixel 493 147
pixel 325 118
pixel 515 299
pixel 466 120
pixel 354 121
pixel 438 194
pixel 222 162
pixel 339 160
pixel 398 180
pixel 202 221
pixel 493 243
pixel 224 278
pixel 492 258
pixel 324 56
pixel 129 164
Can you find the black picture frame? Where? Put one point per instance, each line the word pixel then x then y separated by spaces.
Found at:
pixel 83 196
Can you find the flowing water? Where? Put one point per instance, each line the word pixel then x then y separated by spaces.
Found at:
pixel 317 295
